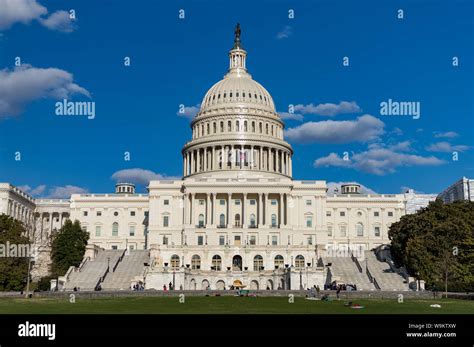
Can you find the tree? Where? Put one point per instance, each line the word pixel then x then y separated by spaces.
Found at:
pixel 68 247
pixel 13 264
pixel 437 244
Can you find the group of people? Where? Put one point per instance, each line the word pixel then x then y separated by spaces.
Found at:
pixel 138 287
pixel 171 287
pixel 339 287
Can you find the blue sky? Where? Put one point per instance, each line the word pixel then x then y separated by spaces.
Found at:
pixel 175 61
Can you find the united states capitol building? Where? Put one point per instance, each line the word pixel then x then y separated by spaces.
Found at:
pixel 236 218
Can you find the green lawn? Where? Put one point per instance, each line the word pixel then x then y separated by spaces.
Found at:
pixel 224 305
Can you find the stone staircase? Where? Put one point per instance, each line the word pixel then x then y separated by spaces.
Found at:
pixel 129 267
pixel 87 277
pixel 345 269
pixel 386 278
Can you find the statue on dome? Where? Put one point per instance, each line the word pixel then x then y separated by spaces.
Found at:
pixel 237 36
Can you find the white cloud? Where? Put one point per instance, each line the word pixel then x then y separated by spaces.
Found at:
pixel 25 11
pixel 60 21
pixel 444 146
pixel 285 32
pixel 329 109
pixel 33 191
pixel 365 128
pixel 397 131
pixel 447 134
pixel 26 84
pixel 290 116
pixel 140 176
pixel 65 192
pixel 189 112
pixel 333 185
pixel 377 161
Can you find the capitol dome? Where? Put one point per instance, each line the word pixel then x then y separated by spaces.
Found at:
pixel 237 127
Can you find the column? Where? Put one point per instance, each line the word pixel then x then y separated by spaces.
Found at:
pixel 191 209
pixel 229 196
pixel 233 157
pixel 280 222
pixel 252 159
pixel 270 160
pixel 267 210
pixel 241 157
pixel 208 210
pixel 244 201
pixel 260 159
pixel 192 162
pixel 205 159
pixel 198 160
pixel 291 166
pixel 213 161
pixel 260 210
pixel 277 160
pixel 184 164
pixel 185 208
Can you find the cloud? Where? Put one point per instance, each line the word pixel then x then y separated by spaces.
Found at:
pixel 25 11
pixel 33 191
pixel 447 134
pixel 444 146
pixel 60 21
pixel 377 161
pixel 328 109
pixel 290 116
pixel 26 84
pixel 397 131
pixel 189 112
pixel 285 32
pixel 140 176
pixel 65 192
pixel 333 185
pixel 365 128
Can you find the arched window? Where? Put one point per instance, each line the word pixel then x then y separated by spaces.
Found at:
pixel 196 262
pixel 237 126
pixel 274 220
pixel 222 220
pixel 360 229
pixel 208 129
pixel 252 220
pixel 253 126
pixel 299 262
pixel 214 130
pixel 229 126
pixel 245 126
pixel 115 228
pixel 257 263
pixel 237 220
pixel 217 262
pixel 222 127
pixel 201 221
pixel 260 127
pixel 174 261
pixel 279 262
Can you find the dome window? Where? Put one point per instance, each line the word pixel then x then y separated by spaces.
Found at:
pixel 243 94
pixel 214 97
pixel 225 95
pixel 218 96
pixel 255 96
pixel 230 94
pixel 237 94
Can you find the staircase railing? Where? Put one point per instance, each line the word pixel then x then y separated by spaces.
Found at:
pixel 356 261
pixel 83 262
pixel 372 278
pixel 118 261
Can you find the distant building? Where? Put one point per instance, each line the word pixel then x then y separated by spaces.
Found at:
pixel 416 201
pixel 461 190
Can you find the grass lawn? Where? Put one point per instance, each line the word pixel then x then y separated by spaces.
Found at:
pixel 227 305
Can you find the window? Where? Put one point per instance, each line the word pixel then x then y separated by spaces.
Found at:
pixel 200 240
pixel 308 202
pixel 115 227
pixel 329 230
pixel 84 213
pixel 342 213
pixel 237 220
pixel 196 262
pixel 377 231
pixel 278 262
pixel 237 240
pixel 390 214
pixel 222 202
pixel 360 229
pixel 222 220
pixel 165 239
pixel 115 213
pixel 253 240
pixel 97 230
pixel 237 202
pixel 273 202
pixel 328 213
pixel 132 213
pixel 253 201
pixel 309 221
pixel 174 262
pixel 376 213
pixel 217 263
pixel 310 240
pixel 274 220
pixel 132 230
pixel 257 263
pixel 274 240
pixel 166 202
pixel 114 247
pixel 201 202
pixel 99 213
pixel 299 262
pixel 342 230
pixel 201 221
pixel 166 221
pixel 252 220
pixel 221 240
